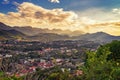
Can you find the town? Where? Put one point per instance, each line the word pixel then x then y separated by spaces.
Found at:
pixel 21 57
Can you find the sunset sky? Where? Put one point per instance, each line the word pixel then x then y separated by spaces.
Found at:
pixel 88 16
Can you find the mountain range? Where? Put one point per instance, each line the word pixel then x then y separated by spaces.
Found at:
pixel 34 31
pixel 44 35
pixel 6 32
pixel 97 37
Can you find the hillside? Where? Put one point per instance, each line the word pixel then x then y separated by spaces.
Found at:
pixel 46 37
pixel 34 31
pixel 97 37
pixel 4 26
pixel 6 32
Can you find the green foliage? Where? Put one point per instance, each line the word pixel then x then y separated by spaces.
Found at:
pixel 99 67
pixel 114 48
pixel 61 76
pixel 53 76
pixel 1 74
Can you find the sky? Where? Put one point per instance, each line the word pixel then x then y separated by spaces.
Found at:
pixel 88 16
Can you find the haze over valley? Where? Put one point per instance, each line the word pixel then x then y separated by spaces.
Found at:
pixel 59 39
pixel 46 35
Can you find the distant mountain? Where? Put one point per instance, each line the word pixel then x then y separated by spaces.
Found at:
pixel 11 34
pixel 6 32
pixel 4 26
pixel 47 37
pixel 29 30
pixel 97 37
pixel 44 35
pixel 34 31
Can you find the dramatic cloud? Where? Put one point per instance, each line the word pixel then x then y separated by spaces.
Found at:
pixel 88 21
pixel 54 1
pixel 32 15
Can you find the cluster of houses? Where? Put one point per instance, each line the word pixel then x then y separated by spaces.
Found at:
pixel 32 55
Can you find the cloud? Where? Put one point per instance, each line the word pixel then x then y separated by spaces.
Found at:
pixel 5 2
pixel 16 3
pixel 100 15
pixel 100 19
pixel 109 27
pixel 88 21
pixel 116 10
pixel 54 1
pixel 32 15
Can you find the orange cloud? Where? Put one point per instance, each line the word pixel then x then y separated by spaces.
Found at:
pixel 89 21
pixel 36 16
pixel 112 28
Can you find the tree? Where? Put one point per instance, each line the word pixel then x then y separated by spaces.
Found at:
pixel 114 48
pixel 103 64
pixel 98 68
